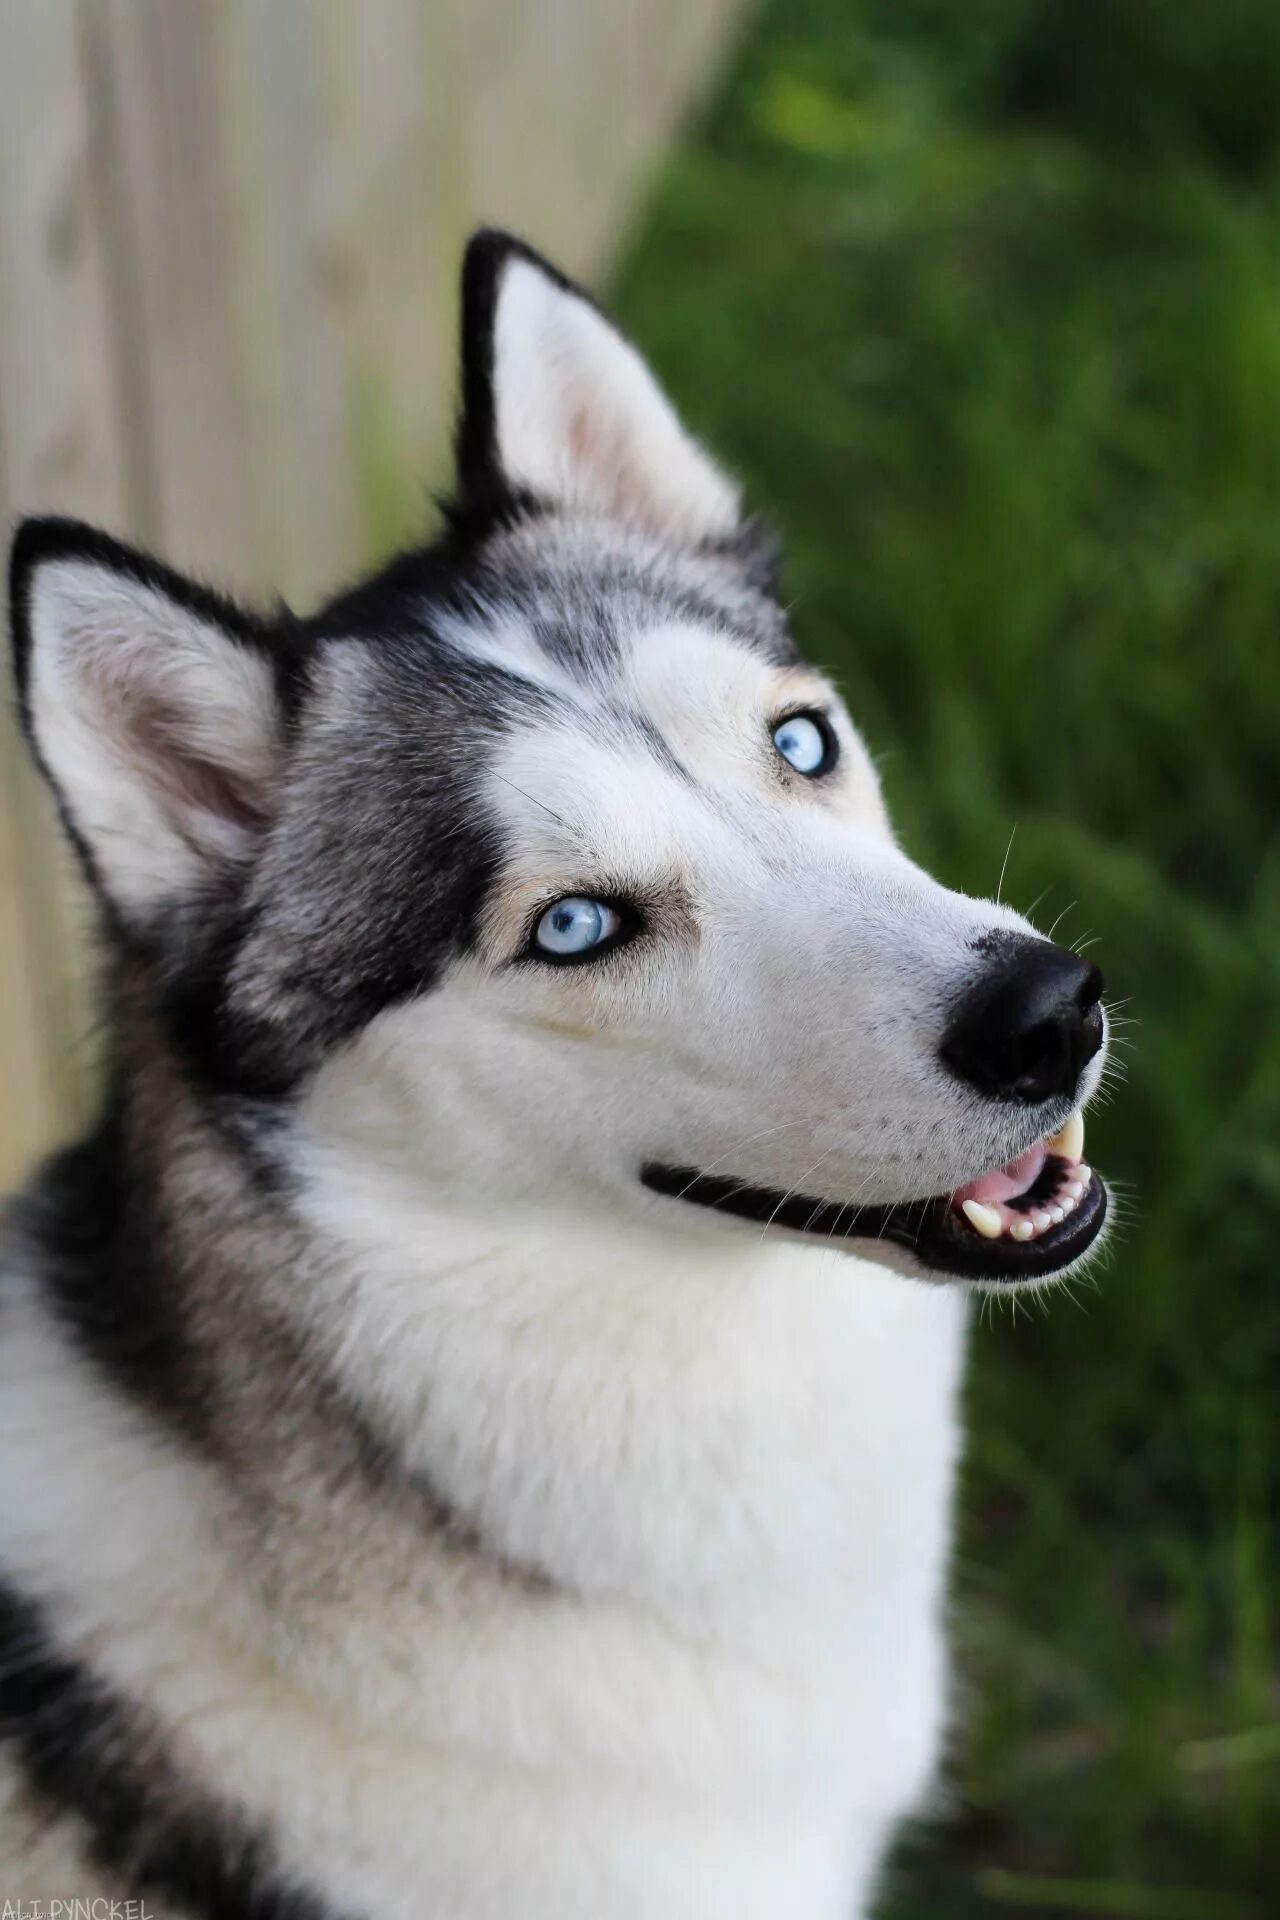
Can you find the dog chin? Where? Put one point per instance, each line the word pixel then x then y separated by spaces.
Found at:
pixel 914 1264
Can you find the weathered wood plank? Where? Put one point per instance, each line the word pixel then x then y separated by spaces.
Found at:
pixel 61 445
pixel 396 239
pixel 284 159
pixel 60 449
pixel 28 1116
pixel 156 75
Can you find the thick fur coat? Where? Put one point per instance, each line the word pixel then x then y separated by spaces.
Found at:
pixel 479 1410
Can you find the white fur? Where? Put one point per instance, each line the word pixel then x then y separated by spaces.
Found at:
pixel 582 422
pixel 475 1751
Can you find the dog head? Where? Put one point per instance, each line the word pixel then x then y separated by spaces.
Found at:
pixel 541 873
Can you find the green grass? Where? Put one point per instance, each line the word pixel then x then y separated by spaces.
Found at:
pixel 984 301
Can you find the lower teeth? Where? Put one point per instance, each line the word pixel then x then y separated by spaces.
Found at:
pixel 989 1222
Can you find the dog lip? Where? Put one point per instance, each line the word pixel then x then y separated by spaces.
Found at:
pixel 928 1229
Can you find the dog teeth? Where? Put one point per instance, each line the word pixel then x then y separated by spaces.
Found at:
pixel 1068 1142
pixel 983 1220
pixel 1000 1222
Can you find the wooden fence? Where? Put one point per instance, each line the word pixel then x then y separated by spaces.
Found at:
pixel 229 244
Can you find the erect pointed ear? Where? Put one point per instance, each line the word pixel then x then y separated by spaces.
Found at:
pixel 152 708
pixel 557 405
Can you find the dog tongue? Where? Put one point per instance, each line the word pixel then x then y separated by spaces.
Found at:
pixel 1006 1183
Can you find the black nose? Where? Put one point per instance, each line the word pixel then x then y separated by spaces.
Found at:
pixel 1030 1026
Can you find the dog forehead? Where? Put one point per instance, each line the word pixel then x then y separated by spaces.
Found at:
pixel 596 788
pixel 587 582
pixel 709 694
pixel 667 759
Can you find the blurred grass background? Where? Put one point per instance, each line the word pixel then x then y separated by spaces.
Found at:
pixel 985 302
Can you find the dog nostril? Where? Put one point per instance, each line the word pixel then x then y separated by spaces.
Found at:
pixel 1091 989
pixel 1038 1053
pixel 1029 1028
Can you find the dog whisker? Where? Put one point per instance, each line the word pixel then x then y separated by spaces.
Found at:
pixel 1005 862
pixel 1061 917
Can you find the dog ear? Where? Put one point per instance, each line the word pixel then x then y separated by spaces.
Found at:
pixel 152 708
pixel 558 406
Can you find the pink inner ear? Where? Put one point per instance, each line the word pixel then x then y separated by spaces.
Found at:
pixel 162 736
pixel 215 790
pixel 156 736
pixel 599 447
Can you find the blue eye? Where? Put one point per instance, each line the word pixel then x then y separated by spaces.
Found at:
pixel 574 927
pixel 806 742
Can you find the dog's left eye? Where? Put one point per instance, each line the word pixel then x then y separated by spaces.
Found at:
pixel 575 927
pixel 806 742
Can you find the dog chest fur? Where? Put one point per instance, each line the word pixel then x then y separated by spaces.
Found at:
pixel 454 1739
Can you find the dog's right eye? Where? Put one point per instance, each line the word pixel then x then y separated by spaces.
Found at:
pixel 577 928
pixel 807 743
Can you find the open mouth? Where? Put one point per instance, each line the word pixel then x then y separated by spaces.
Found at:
pixel 1023 1221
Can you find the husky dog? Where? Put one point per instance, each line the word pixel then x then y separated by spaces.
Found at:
pixel 479 1411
